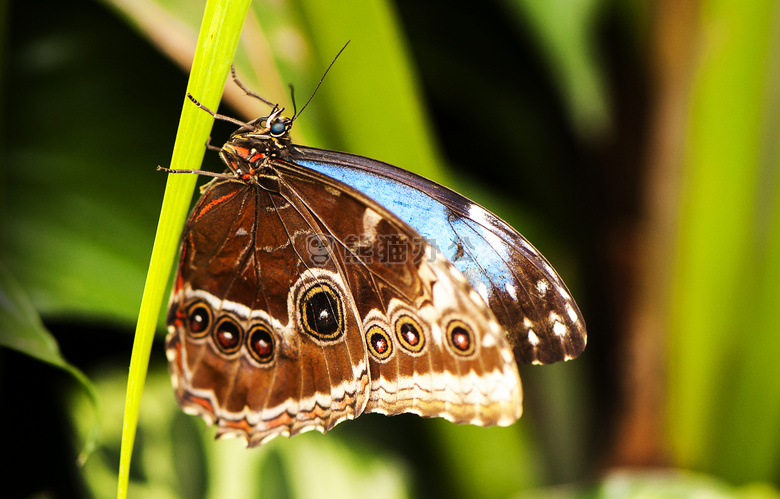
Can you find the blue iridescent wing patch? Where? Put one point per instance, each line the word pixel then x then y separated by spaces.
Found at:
pixel 529 299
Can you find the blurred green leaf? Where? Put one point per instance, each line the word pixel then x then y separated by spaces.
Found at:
pixel 723 399
pixel 78 219
pixel 566 33
pixel 322 466
pixel 370 102
pixel 155 467
pixel 675 484
pixel 194 465
pixel 487 462
pixel 21 329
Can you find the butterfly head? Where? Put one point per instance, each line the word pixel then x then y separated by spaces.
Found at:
pixel 279 126
pixel 274 128
pixel 250 147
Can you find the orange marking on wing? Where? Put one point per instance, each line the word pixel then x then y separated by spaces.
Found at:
pixel 176 346
pixel 317 412
pixel 239 425
pixel 203 403
pixel 214 203
pixel 282 419
pixel 179 283
pixel 178 320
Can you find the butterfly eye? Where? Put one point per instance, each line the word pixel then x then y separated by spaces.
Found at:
pixel 379 344
pixel 227 335
pixel 461 338
pixel 278 127
pixel 199 319
pixel 321 313
pixel 409 334
pixel 261 344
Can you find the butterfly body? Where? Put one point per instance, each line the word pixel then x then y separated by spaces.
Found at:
pixel 312 287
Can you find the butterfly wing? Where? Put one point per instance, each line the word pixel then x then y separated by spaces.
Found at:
pixel 527 296
pixel 300 302
pixel 237 354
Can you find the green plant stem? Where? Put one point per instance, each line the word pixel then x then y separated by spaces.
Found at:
pixel 217 42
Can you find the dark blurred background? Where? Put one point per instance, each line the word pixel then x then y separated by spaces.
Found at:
pixel 634 143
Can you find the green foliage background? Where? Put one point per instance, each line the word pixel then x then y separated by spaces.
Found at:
pixel 652 188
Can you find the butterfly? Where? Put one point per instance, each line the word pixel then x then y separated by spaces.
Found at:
pixel 314 286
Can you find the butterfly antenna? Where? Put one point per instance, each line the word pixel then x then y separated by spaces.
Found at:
pixel 217 116
pixel 296 114
pixel 246 90
pixel 292 98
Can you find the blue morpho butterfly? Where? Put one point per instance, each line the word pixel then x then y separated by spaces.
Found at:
pixel 314 286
